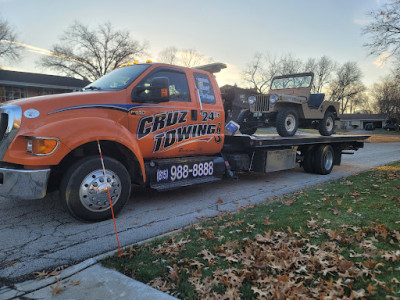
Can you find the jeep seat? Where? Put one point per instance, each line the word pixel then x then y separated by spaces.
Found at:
pixel 315 100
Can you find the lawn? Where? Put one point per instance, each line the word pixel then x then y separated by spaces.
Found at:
pixel 335 240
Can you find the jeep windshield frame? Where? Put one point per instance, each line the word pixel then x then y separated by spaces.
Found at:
pixel 293 81
pixel 118 79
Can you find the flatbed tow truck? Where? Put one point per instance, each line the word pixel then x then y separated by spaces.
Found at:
pixel 155 125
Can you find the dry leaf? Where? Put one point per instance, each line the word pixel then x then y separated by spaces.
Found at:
pixel 57 289
pixel 220 200
pixel 39 275
pixel 371 289
pixel 288 202
pixel 267 222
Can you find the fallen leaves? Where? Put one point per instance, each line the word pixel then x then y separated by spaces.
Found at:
pixel 348 248
pixel 57 289
pixel 46 274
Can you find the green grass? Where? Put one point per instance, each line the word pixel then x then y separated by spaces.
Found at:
pixel 340 239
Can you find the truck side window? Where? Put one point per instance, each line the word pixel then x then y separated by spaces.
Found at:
pixel 206 92
pixel 178 85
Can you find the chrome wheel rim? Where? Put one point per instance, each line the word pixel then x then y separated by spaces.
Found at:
pixel 290 123
pixel 329 124
pixel 328 161
pixel 93 190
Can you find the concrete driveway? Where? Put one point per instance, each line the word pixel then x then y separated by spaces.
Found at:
pixel 38 234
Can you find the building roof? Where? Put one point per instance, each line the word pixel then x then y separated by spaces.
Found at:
pixel 24 79
pixel 366 117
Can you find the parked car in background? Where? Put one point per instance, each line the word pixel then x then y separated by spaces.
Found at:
pixel 391 126
pixel 369 126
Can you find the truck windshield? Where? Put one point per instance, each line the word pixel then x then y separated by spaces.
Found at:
pixel 291 82
pixel 118 79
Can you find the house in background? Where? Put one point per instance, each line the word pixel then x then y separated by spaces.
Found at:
pixel 358 121
pixel 15 85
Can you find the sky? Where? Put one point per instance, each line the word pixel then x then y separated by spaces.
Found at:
pixel 228 31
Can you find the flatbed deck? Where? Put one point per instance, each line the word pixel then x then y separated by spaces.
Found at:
pixel 253 142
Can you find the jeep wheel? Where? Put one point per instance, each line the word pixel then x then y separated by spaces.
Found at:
pixel 323 159
pixel 84 188
pixel 287 122
pixel 246 122
pixel 327 124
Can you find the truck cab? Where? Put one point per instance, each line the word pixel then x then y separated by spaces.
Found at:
pixel 135 114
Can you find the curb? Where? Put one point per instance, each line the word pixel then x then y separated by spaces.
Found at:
pixel 26 287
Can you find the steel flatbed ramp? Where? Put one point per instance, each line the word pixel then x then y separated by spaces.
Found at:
pixel 247 142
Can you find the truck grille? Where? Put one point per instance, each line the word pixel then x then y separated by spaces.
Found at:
pixel 10 121
pixel 262 103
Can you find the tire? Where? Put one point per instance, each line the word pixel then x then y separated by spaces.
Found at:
pixel 244 120
pixel 86 177
pixel 287 122
pixel 308 161
pixel 327 125
pixel 323 159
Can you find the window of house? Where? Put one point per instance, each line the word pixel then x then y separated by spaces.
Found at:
pixel 8 93
pixel 206 92
pixel 178 85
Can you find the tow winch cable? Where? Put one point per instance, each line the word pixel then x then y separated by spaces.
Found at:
pixel 109 196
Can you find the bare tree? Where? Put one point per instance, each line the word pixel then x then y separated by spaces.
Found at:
pixel 90 54
pixel 191 58
pixel 261 70
pixel 168 55
pixel 289 64
pixel 257 73
pixel 387 97
pixel 384 29
pixel 8 48
pixel 346 85
pixel 323 73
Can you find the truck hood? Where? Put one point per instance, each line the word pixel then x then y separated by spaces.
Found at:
pixel 51 103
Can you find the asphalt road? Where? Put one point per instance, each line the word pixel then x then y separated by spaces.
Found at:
pixel 38 234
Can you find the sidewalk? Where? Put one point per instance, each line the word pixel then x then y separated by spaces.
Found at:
pixel 87 280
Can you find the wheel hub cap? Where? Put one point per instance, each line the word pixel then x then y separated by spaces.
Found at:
pixel 290 123
pixel 94 188
pixel 328 160
pixel 329 124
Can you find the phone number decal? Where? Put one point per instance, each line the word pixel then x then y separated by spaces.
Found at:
pixel 178 172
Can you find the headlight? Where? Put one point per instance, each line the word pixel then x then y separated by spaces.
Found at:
pixel 41 146
pixel 273 98
pixel 252 100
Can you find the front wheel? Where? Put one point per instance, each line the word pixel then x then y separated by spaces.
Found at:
pixel 84 188
pixel 287 122
pixel 248 125
pixel 327 124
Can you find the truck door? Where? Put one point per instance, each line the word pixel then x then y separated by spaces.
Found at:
pixel 211 112
pixel 165 129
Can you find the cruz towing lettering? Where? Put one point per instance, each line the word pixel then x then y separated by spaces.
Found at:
pixel 165 140
pixel 160 121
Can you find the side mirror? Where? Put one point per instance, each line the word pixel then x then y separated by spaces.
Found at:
pixel 158 91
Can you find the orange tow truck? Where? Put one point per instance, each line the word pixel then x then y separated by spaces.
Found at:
pixel 158 125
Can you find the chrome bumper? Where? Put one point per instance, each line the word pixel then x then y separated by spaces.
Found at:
pixel 23 184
